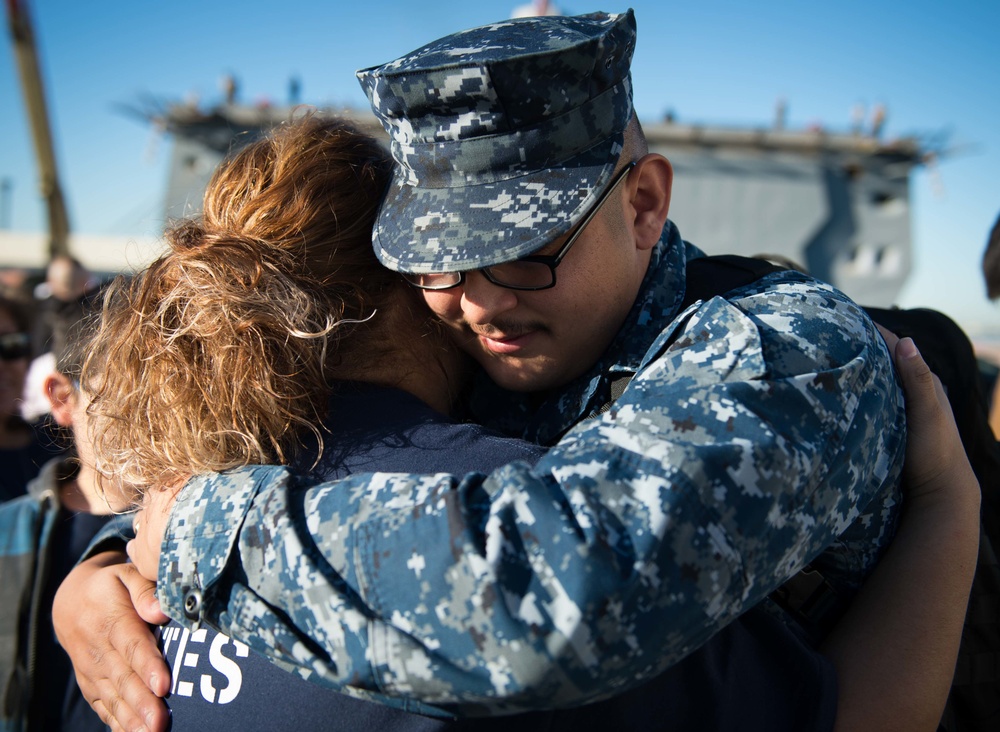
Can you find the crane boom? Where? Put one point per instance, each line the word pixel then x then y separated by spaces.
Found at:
pixel 38 117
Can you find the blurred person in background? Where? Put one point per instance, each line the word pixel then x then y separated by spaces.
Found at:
pixel 24 447
pixel 991 273
pixel 59 302
pixel 42 535
pixel 991 262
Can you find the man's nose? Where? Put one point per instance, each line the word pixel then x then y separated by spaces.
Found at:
pixel 482 301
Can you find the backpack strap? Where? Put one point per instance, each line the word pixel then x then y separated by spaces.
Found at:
pixel 720 274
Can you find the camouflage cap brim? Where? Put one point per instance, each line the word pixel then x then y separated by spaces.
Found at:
pixel 503 137
pixel 422 229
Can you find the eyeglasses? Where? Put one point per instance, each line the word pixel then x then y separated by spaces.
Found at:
pixel 14 346
pixel 534 272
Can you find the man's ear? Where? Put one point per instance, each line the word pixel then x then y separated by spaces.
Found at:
pixel 62 398
pixel 650 185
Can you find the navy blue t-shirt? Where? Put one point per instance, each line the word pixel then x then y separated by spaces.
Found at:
pixel 57 704
pixel 753 675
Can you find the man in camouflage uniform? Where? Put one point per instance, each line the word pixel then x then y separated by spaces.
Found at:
pixel 758 431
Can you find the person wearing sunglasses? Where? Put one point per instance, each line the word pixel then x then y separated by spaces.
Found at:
pixel 24 447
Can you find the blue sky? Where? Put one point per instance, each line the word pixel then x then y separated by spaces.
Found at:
pixel 935 66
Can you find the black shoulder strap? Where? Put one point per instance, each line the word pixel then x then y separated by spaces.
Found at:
pixel 717 275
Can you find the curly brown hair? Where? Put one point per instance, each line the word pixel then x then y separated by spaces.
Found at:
pixel 224 349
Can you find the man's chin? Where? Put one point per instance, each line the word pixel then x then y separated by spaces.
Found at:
pixel 518 375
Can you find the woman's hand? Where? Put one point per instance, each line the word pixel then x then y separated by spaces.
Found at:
pixel 936 465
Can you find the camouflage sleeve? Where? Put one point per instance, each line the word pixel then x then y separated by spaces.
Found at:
pixel 740 450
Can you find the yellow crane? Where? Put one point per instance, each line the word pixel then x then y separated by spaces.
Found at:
pixel 38 117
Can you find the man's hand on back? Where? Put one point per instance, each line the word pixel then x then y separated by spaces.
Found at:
pixel 100 614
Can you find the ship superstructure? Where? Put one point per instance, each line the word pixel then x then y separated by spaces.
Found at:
pixel 838 204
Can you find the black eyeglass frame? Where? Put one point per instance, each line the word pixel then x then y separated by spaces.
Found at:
pixel 550 260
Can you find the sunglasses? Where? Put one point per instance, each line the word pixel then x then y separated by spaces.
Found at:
pixel 14 346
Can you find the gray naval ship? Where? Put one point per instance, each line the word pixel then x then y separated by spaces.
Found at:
pixel 837 204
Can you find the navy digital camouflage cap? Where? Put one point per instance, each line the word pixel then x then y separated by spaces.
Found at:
pixel 503 137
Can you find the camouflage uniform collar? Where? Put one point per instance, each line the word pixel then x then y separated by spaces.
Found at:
pixel 544 419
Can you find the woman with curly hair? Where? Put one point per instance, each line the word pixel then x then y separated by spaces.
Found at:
pixel 270 334
pixel 226 350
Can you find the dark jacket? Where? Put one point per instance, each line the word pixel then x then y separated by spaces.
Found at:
pixel 35 533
